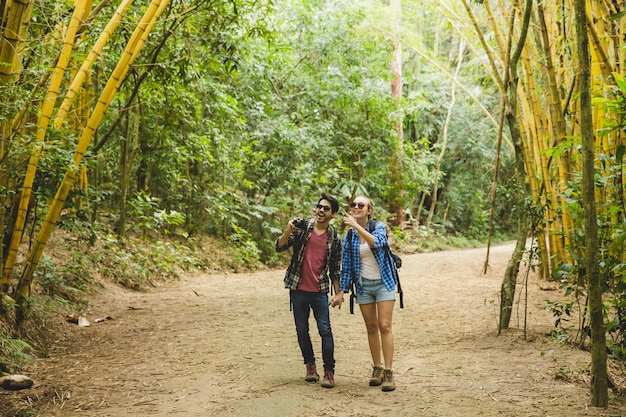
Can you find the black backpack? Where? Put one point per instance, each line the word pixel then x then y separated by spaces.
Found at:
pixel 394 260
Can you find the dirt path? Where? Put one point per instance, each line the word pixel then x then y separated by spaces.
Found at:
pixel 225 345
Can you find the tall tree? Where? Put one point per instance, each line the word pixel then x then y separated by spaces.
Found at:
pixel 444 141
pixel 509 280
pixel 396 203
pixel 599 392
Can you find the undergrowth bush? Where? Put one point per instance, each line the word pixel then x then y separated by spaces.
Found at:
pixel 14 353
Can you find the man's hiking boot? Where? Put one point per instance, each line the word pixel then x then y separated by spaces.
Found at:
pixel 377 376
pixel 311 373
pixel 329 379
pixel 388 384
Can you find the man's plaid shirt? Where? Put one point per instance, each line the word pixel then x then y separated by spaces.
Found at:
pixel 332 266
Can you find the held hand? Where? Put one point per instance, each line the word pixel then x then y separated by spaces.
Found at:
pixel 337 301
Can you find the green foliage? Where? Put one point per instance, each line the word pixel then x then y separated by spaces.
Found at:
pixel 14 353
pixel 247 253
pixel 150 217
pixel 68 281
pixel 562 313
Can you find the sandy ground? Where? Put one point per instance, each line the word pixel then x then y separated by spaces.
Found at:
pixel 225 345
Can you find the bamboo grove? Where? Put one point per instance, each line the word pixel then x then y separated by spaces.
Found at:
pixel 80 14
pixel 547 105
pixel 546 112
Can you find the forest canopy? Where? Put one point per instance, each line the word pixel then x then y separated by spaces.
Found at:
pixel 235 115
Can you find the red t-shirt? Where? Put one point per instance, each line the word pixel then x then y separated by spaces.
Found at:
pixel 313 262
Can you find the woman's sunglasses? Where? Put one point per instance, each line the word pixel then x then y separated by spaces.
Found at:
pixel 323 207
pixel 359 205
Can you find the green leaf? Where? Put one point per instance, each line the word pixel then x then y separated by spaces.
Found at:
pixel 619 153
pixel 619 80
pixel 557 150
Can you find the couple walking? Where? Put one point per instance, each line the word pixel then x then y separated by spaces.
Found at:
pixel 317 263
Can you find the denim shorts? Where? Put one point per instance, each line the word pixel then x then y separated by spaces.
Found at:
pixel 374 291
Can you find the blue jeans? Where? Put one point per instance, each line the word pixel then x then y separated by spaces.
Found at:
pixel 303 302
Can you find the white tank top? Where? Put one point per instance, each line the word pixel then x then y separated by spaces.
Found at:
pixel 369 266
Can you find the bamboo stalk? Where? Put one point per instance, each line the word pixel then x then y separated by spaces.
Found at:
pixel 17 15
pixel 42 126
pixel 87 64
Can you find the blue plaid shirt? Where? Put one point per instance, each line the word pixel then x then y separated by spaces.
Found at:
pixel 351 260
pixel 298 240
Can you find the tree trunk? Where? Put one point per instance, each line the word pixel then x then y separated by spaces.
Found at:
pixel 509 280
pixel 599 390
pixel 444 141
pixel 396 201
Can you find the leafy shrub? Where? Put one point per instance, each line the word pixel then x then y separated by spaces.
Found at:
pixel 14 353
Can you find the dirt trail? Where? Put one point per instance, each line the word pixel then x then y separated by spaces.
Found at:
pixel 225 345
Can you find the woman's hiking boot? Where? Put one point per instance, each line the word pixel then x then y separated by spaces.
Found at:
pixel 388 384
pixel 311 373
pixel 377 376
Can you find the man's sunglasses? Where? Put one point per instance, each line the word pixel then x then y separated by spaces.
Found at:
pixel 323 207
pixel 359 205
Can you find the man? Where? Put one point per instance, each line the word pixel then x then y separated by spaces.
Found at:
pixel 315 266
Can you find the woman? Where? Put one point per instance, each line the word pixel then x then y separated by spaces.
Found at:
pixel 365 259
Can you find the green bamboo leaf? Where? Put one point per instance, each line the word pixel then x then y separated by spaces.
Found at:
pixel 619 153
pixel 619 80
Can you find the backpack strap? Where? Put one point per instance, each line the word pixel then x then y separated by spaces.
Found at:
pixel 335 237
pixel 371 225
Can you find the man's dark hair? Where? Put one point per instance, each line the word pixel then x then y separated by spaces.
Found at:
pixel 334 204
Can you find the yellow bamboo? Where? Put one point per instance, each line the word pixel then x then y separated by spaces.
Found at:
pixel 596 25
pixel 93 55
pixel 17 16
pixel 536 117
pixel 488 51
pixel 605 54
pixel 525 94
pixel 558 122
pixel 537 122
pixel 135 44
pixel 497 31
pixel 540 186
pixel 548 108
pixel 533 125
pixel 43 121
pixel 603 51
pixel 13 31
